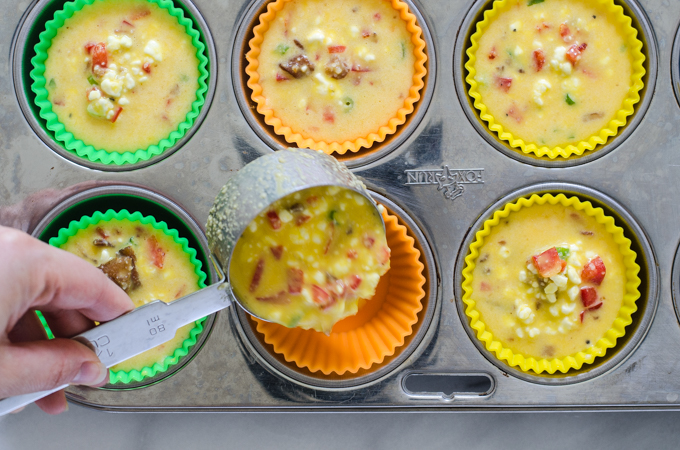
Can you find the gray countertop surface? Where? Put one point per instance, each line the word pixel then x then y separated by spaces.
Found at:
pixel 81 428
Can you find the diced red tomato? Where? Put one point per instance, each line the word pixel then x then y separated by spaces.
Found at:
pixel 597 305
pixel 146 67
pixel 312 199
pixel 328 116
pixel 295 279
pixel 549 263
pixel 565 32
pixel 492 53
pixel 274 220
pixel 539 59
pixel 281 298
pixel 594 271
pixel 515 114
pixel 322 297
pixel 354 282
pixel 280 77
pixel 336 48
pixel 377 16
pixel 126 23
pixel 542 26
pixel 484 286
pixel 157 253
pixel 179 293
pixel 116 113
pixel 365 34
pixel 574 53
pixel 352 254
pixel 504 83
pixel 257 275
pixel 581 314
pixel 301 219
pixel 277 251
pixel 99 56
pixel 139 14
pixel 368 241
pixel 331 227
pixel 88 46
pixel 588 297
pixel 384 255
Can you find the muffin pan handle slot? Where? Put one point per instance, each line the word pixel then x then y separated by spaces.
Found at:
pixel 447 386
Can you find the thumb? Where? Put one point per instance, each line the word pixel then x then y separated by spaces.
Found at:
pixel 41 365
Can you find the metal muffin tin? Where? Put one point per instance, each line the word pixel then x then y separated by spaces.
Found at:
pixel 440 176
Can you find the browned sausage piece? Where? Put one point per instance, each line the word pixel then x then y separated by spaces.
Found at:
pixel 298 66
pixel 122 271
pixel 337 68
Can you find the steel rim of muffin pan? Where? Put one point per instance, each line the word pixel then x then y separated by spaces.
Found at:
pixel 18 52
pixel 192 226
pixel 640 22
pixel 646 304
pixel 675 283
pixel 424 330
pixel 675 66
pixel 391 142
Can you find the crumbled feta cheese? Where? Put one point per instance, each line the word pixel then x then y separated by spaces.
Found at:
pixel 519 332
pixel 551 288
pixel 153 49
pixel 533 332
pixel 111 83
pixel 515 26
pixel 531 268
pixel 560 281
pixel 325 86
pixel 115 42
pixel 549 331
pixel 522 276
pixel 568 308
pixel 540 87
pixel 94 95
pixel 573 292
pixel 123 101
pixel 518 50
pixel 253 226
pixel 573 275
pixel 504 251
pixel 354 31
pixel 319 277
pixel 551 298
pixel 525 314
pixel 316 36
pixel 101 107
pixel 285 216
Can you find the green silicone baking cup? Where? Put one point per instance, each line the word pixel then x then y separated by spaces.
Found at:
pixel 80 148
pixel 86 221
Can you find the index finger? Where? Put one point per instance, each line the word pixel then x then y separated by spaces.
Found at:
pixel 50 279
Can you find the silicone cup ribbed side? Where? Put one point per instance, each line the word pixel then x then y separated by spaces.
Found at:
pixel 576 360
pixel 87 221
pixel 370 336
pixel 77 146
pixel 330 147
pixel 620 118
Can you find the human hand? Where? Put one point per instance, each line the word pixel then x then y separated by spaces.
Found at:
pixel 71 294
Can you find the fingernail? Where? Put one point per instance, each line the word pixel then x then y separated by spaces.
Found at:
pixel 91 374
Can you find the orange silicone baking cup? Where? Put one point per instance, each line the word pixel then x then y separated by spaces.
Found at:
pixel 376 331
pixel 357 144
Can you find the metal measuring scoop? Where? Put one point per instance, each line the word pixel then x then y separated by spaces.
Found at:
pixel 248 193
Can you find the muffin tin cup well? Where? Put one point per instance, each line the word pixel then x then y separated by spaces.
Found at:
pixel 266 133
pixel 646 304
pixel 675 66
pixel 413 344
pixel 148 203
pixel 640 22
pixel 27 36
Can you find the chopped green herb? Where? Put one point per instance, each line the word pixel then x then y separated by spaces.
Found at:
pixel 52 83
pixel 281 49
pixel 332 216
pixel 91 80
pixel 623 48
pixel 509 52
pixel 563 252
pixel 534 2
pixel 348 104
pixel 184 78
pixel 569 100
pixel 294 321
pixel 571 136
pixel 403 50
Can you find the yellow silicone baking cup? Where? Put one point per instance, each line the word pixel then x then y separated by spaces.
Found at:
pixel 576 360
pixel 376 331
pixel 634 44
pixel 341 148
